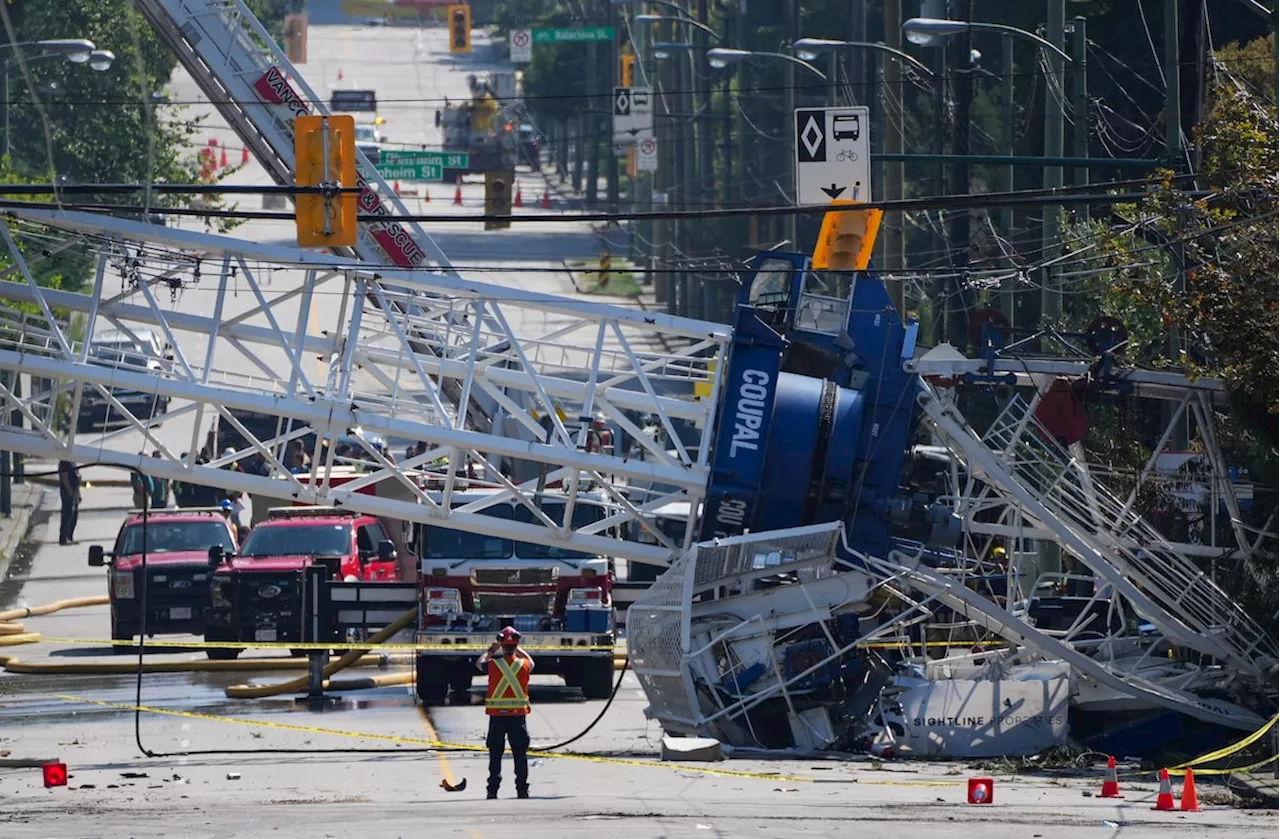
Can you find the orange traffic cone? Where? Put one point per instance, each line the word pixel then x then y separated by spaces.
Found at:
pixel 339 74
pixel 545 203
pixel 244 155
pixel 457 193
pixel 1110 784
pixel 519 202
pixel 223 162
pixel 1164 801
pixel 1190 802
pixel 426 195
pixel 213 141
pixel 396 187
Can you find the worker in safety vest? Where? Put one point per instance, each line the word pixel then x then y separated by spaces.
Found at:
pixel 507 704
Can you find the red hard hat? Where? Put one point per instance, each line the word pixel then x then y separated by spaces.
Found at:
pixel 509 635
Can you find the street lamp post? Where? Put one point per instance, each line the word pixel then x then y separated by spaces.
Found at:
pixel 721 57
pixel 75 50
pixel 924 30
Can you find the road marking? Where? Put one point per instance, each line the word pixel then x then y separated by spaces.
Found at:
pixel 431 733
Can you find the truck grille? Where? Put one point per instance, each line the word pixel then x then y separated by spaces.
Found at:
pixel 177 585
pixel 497 603
pixel 515 576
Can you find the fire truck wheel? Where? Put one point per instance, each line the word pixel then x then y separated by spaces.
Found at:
pixel 597 678
pixel 460 680
pixel 222 653
pixel 433 692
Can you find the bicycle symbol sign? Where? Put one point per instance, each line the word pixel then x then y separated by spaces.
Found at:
pixel 847 156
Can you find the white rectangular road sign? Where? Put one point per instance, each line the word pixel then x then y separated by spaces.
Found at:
pixel 646 153
pixel 520 42
pixel 833 154
pixel 632 114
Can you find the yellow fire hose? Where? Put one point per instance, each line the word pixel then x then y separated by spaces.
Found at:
pixel 351 657
pixel 13 633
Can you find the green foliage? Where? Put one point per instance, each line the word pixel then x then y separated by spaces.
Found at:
pixel 1254 64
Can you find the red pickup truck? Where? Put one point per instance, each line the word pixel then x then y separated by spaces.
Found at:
pixel 178 573
pixel 256 592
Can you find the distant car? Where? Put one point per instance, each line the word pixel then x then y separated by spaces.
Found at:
pixel 369 141
pixel 139 351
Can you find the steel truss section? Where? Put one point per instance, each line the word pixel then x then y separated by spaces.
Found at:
pixel 382 369
pixel 1052 491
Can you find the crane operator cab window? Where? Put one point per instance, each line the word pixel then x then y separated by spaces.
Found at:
pixel 824 301
pixel 771 289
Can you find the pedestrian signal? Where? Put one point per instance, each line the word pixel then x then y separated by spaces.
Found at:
pixel 459 28
pixel 497 199
pixel 325 156
pixel 846 239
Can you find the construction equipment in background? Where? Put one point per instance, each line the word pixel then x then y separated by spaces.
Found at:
pixel 486 126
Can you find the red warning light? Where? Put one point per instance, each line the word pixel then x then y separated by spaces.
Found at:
pixel 55 774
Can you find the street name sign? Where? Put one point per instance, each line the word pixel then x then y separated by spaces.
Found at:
pixel 420 165
pixel 832 154
pixel 569 36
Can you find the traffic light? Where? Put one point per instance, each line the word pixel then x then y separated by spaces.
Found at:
pixel 459 28
pixel 846 239
pixel 325 220
pixel 627 72
pixel 497 199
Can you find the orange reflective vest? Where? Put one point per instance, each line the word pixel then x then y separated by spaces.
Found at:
pixel 508 687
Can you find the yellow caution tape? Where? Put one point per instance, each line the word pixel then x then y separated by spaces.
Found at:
pixel 469 747
pixel 1232 749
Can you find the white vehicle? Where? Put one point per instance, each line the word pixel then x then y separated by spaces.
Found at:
pixel 369 140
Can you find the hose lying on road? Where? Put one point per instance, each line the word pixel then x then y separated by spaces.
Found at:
pixel 351 657
pixel 13 633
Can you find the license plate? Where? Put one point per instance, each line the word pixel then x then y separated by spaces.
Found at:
pixel 264 635
pixel 180 613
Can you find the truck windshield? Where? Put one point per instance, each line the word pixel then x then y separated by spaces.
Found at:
pixel 582 515
pixel 170 537
pixel 443 543
pixel 294 540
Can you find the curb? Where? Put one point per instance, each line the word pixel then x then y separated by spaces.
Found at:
pixel 21 525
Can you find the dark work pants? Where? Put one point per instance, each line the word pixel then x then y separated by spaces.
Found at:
pixel 511 729
pixel 67 523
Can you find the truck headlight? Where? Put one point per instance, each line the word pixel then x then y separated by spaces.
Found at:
pixel 122 584
pixel 443 601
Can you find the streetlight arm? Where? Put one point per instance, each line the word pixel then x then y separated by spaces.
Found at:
pixel 795 60
pixel 720 56
pixel 820 44
pixel 695 23
pixel 1021 33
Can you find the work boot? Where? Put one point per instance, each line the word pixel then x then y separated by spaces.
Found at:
pixel 523 792
pixel 493 793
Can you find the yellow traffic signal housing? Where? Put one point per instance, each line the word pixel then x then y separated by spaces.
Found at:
pixel 627 72
pixel 325 220
pixel 497 199
pixel 459 17
pixel 846 239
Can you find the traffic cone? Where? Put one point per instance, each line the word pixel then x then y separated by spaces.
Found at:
pixel 244 155
pixel 339 74
pixel 545 203
pixel 426 195
pixel 457 193
pixel 1110 784
pixel 223 163
pixel 1190 801
pixel 1164 801
pixel 519 202
pixel 396 186
pixel 213 141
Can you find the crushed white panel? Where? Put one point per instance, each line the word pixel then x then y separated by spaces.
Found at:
pixel 978 717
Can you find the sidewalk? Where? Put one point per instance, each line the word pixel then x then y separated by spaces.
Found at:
pixel 30 499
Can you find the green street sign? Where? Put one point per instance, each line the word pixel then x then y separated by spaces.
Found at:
pixel 439 159
pixel 427 172
pixel 564 36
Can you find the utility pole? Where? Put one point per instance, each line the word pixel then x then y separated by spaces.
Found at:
pixel 1054 104
pixel 1173 154
pixel 1080 141
pixel 593 122
pixel 614 58
pixel 956 308
pixel 663 292
pixel 894 250
pixel 790 225
pixel 1009 286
